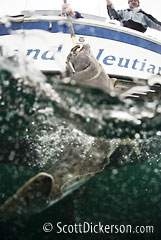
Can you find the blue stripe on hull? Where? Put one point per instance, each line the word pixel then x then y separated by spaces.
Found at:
pixel 87 30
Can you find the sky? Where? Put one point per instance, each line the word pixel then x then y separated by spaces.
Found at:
pixel 95 7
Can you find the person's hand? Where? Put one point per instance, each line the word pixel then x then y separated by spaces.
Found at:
pixel 109 3
pixel 67 9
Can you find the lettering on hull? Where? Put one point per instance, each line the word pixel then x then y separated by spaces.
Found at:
pixel 128 63
pixel 133 64
pixel 47 55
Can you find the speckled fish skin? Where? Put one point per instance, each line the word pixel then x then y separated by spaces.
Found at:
pixel 82 157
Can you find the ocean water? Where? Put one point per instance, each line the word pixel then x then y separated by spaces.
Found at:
pixel 31 106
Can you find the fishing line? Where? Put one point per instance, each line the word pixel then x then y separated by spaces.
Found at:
pixel 71 28
pixel 26 3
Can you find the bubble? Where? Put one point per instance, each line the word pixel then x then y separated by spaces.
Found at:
pixel 114 171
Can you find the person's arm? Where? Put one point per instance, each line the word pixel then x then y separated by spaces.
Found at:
pixel 66 9
pixel 113 14
pixel 151 21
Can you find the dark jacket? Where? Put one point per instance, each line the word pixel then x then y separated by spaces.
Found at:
pixel 77 15
pixel 134 18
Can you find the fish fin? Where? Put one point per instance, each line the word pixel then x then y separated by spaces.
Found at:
pixel 31 198
pixel 127 152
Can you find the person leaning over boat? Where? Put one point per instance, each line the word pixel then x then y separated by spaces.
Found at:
pixel 67 9
pixel 133 17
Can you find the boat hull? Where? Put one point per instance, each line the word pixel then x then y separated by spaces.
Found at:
pixel 123 53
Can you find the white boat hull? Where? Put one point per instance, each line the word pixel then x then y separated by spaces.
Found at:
pixel 123 53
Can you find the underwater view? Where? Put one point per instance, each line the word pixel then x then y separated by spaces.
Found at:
pixel 80 151
pixel 59 128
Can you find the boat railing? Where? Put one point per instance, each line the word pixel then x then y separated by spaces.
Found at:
pixel 54 15
pixel 58 12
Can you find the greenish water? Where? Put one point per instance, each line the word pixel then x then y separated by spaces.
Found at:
pixel 128 195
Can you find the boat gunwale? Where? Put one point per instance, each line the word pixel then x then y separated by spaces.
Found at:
pixel 87 22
